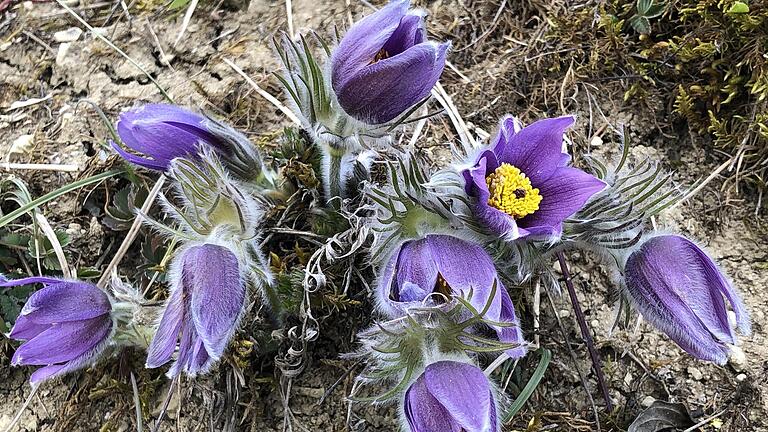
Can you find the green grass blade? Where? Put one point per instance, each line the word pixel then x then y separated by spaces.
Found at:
pixel 522 398
pixel 10 217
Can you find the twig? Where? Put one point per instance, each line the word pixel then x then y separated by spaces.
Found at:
pixel 705 421
pixel 131 233
pixel 55 244
pixel 289 13
pixel 22 409
pixel 701 185
pixel 39 167
pixel 574 360
pixel 263 93
pixel 585 332
pixel 185 22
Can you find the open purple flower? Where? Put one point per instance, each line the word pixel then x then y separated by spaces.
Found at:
pixel 384 64
pixel 161 132
pixel 451 397
pixel 522 185
pixel 65 326
pixel 429 271
pixel 206 303
pixel 679 289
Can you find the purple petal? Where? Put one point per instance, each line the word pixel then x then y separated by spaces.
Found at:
pixel 154 164
pixel 563 194
pixel 718 280
pixel 26 329
pixel 187 342
pixel 424 413
pixel 465 267
pixel 464 391
pixel 66 301
pixel 199 361
pixel 415 266
pixel 47 372
pixel 63 342
pixel 493 219
pixel 537 149
pixel 410 32
pixel 676 291
pixel 381 91
pixel 364 40
pixel 218 294
pixel 512 334
pixel 164 341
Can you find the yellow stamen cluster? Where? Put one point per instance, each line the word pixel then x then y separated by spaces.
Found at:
pixel 381 55
pixel 442 287
pixel 511 192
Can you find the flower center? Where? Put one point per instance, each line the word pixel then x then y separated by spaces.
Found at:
pixel 381 55
pixel 442 287
pixel 511 192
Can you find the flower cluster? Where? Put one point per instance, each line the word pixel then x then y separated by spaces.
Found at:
pixel 453 249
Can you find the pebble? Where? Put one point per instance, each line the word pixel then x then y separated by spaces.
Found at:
pixel 737 359
pixel 565 313
pixel 22 144
pixel 741 377
pixel 61 54
pixel 69 35
pixel 695 373
pixel 647 401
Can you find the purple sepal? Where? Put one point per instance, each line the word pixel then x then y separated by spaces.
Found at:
pixel 451 396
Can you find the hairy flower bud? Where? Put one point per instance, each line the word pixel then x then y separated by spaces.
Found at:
pixel 431 270
pixel 65 325
pixel 206 303
pixel 679 289
pixel 384 64
pixel 159 133
pixel 451 396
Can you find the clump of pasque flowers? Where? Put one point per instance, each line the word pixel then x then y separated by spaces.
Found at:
pixel 378 74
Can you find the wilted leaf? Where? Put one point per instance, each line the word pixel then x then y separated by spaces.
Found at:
pixel 739 8
pixel 662 416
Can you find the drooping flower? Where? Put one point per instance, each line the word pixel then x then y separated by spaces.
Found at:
pixel 522 185
pixel 384 64
pixel 66 325
pixel 206 302
pixel 679 289
pixel 159 133
pixel 431 270
pixel 451 396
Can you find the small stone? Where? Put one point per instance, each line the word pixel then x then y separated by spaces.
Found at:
pixel 596 141
pixel 628 379
pixel 647 401
pixel 564 313
pixel 741 377
pixel 695 373
pixel 23 144
pixel 69 35
pixel 737 359
pixel 61 54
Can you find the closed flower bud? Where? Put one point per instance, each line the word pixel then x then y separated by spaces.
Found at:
pixel 433 269
pixel 451 396
pixel 206 303
pixel 681 291
pixel 156 134
pixel 384 64
pixel 65 325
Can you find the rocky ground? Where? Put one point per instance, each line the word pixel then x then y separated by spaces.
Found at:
pixel 62 73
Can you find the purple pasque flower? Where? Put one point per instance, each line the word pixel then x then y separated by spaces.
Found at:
pixel 384 64
pixel 65 325
pixel 206 302
pixel 160 133
pixel 451 396
pixel 679 289
pixel 522 185
pixel 429 271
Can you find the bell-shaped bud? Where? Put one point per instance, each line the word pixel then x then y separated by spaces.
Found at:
pixel 66 326
pixel 431 270
pixel 384 64
pixel 156 134
pixel 451 396
pixel 204 309
pixel 679 289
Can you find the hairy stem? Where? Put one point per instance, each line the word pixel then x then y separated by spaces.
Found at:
pixel 586 334
pixel 334 183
